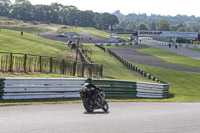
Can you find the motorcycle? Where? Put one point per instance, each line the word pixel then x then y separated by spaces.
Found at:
pixel 90 104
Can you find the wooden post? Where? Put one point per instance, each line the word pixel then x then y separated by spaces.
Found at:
pixel 63 66
pixel 11 62
pixel 51 64
pixel 101 73
pixel 74 69
pixel 40 60
pixel 91 67
pixel 82 75
pixel 25 58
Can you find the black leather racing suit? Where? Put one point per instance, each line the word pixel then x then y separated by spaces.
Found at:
pixel 92 88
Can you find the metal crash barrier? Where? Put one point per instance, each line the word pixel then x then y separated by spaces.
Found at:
pixel 39 88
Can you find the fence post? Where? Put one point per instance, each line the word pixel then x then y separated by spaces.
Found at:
pixel 25 58
pixel 40 63
pixel 11 63
pixel 63 66
pixel 74 69
pixel 51 64
pixel 82 75
pixel 101 72
pixel 91 67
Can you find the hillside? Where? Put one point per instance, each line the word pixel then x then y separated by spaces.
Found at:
pixel 12 41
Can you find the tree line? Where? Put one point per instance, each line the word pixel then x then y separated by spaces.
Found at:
pixel 133 22
pixel 57 13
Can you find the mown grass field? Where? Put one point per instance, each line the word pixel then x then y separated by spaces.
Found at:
pixel 26 29
pixel 90 30
pixel 183 85
pixel 112 68
pixel 12 41
pixel 171 57
pixel 194 49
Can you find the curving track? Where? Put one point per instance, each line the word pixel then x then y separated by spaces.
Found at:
pixel 126 117
pixel 145 59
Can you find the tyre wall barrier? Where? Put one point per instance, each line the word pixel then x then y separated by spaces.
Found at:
pixel 115 44
pixel 39 88
pixel 126 89
pixel 178 44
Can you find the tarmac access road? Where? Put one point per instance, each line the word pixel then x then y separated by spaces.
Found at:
pixel 123 117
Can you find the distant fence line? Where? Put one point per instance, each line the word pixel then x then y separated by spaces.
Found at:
pixel 19 62
pixel 131 66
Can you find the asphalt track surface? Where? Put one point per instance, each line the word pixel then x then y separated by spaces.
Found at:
pixel 179 50
pixel 86 37
pixel 123 117
pixel 146 59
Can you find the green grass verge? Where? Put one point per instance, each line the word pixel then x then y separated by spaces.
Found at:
pixel 112 68
pixel 90 30
pixel 12 41
pixel 194 49
pixel 184 85
pixel 171 57
pixel 25 29
pixel 124 36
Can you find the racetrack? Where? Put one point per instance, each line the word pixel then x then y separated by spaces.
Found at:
pixel 123 117
pixel 130 54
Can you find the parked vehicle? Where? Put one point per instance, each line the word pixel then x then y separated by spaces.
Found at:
pixel 61 35
pixel 114 39
pixel 89 101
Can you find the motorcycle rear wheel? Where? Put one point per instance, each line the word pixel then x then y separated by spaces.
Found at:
pixel 88 107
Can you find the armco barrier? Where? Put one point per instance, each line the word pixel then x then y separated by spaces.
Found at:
pixel 124 89
pixel 38 88
pixel 115 44
pixel 33 88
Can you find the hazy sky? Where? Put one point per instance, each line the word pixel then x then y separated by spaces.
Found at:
pixel 163 7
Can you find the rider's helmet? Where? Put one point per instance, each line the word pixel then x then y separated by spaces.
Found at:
pixel 89 80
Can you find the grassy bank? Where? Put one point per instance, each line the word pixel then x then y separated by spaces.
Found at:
pixel 171 57
pixel 90 30
pixel 12 41
pixel 25 29
pixel 112 68
pixel 194 49
pixel 184 85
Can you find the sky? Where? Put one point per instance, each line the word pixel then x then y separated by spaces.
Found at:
pixel 162 7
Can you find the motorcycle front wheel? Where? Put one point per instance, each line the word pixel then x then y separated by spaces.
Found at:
pixel 88 107
pixel 105 107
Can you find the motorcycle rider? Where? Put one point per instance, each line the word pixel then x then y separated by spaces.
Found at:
pixel 91 88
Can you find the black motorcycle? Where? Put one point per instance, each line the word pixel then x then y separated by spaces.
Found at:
pixel 90 104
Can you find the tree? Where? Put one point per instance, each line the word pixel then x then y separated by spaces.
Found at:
pixel 4 7
pixel 130 27
pixel 152 25
pixel 23 9
pixel 86 19
pixel 163 25
pixel 113 20
pixel 142 26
